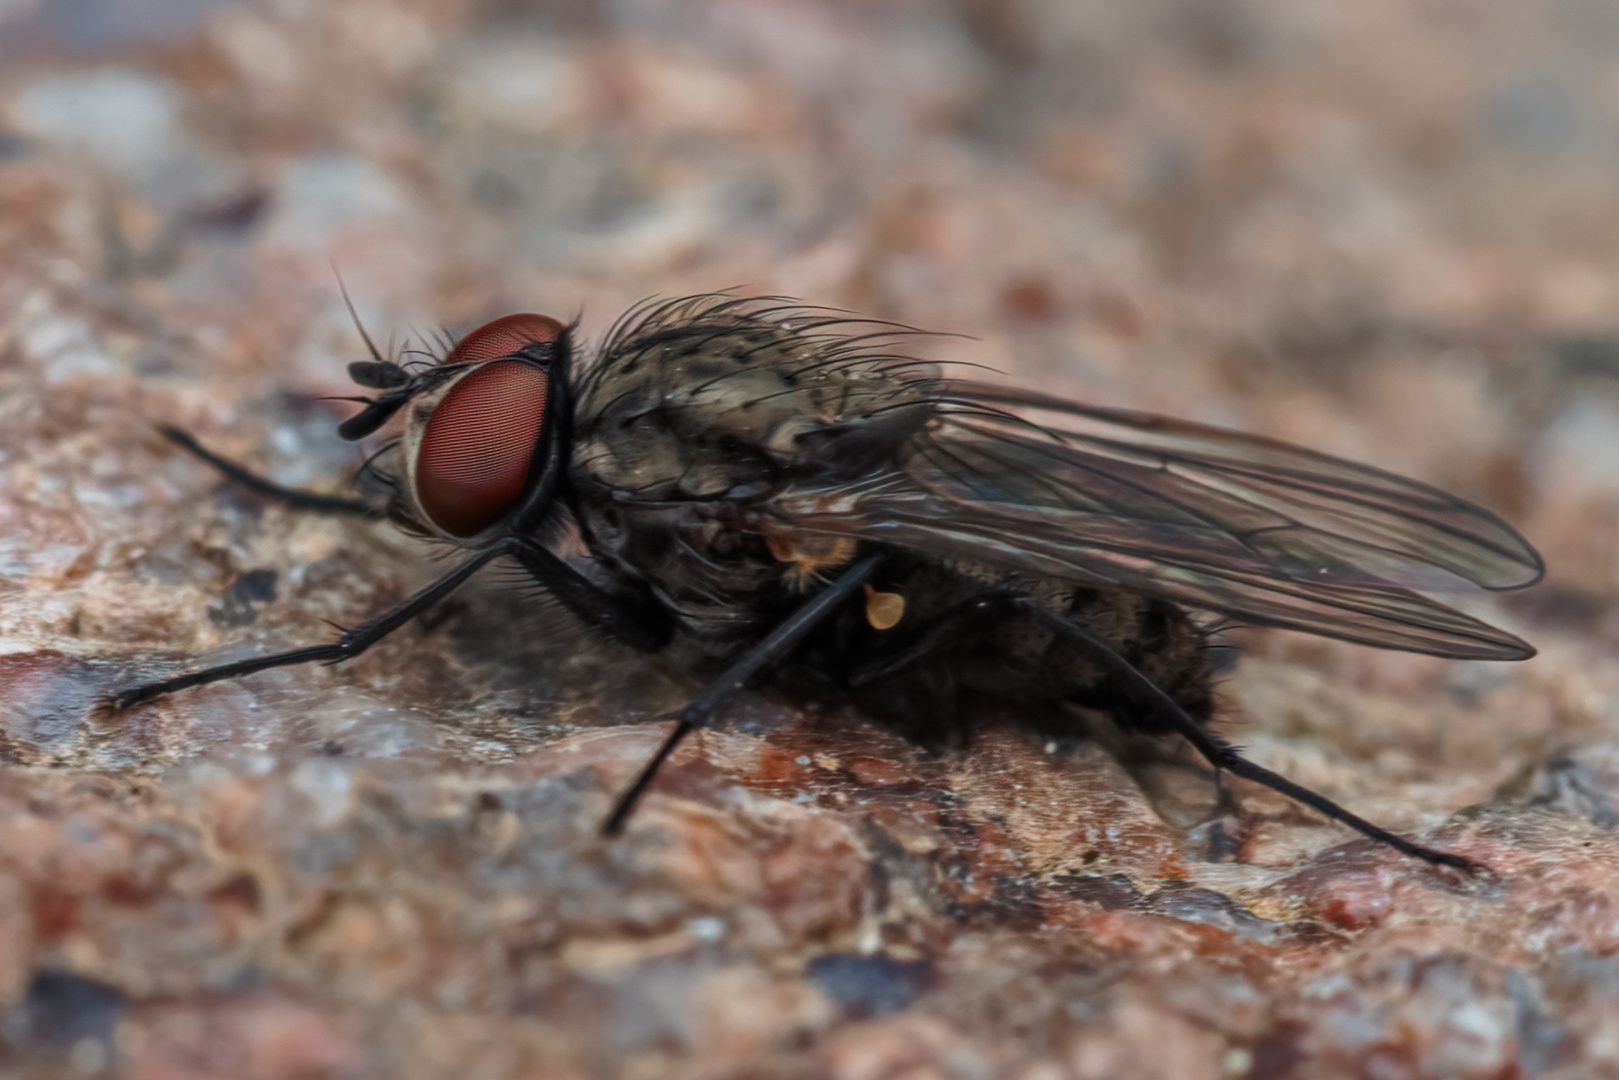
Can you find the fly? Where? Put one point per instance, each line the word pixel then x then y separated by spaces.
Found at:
pixel 764 486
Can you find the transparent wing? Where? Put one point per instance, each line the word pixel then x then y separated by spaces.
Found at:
pixel 1210 518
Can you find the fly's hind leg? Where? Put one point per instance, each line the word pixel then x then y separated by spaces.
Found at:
pixel 1157 705
pixel 1154 708
pixel 296 498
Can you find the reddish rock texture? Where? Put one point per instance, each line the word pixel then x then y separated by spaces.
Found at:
pixel 1387 230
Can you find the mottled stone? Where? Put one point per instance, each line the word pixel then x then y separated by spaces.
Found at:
pixel 1385 231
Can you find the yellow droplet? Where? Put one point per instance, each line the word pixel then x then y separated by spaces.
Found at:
pixel 884 610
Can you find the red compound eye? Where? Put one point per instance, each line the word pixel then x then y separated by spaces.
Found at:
pixel 479 445
pixel 504 337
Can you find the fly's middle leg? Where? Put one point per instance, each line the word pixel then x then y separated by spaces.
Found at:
pixel 762 657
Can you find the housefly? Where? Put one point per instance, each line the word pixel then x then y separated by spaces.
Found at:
pixel 765 487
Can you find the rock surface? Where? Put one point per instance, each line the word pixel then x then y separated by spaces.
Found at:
pixel 1386 230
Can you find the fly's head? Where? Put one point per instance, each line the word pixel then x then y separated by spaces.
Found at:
pixel 484 439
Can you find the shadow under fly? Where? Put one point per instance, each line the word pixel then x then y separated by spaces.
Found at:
pixel 769 487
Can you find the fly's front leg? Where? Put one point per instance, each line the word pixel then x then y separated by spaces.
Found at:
pixel 636 620
pixel 297 498
pixel 349 645
pixel 775 648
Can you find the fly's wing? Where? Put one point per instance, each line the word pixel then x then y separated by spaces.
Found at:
pixel 1205 517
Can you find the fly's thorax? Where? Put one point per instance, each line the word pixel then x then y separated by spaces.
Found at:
pixel 683 435
pixel 685 420
pixel 720 582
pixel 699 411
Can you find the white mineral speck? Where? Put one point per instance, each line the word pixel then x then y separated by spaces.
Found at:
pixel 325 193
pixel 327 786
pixel 1579 452
pixel 125 119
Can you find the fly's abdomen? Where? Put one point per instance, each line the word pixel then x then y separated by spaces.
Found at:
pixel 1026 660
pixel 1158 638
pixel 976 631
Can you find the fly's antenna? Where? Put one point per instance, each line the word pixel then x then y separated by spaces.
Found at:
pixel 348 302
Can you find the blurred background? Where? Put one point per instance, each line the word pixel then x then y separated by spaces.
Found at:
pixel 1387 229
